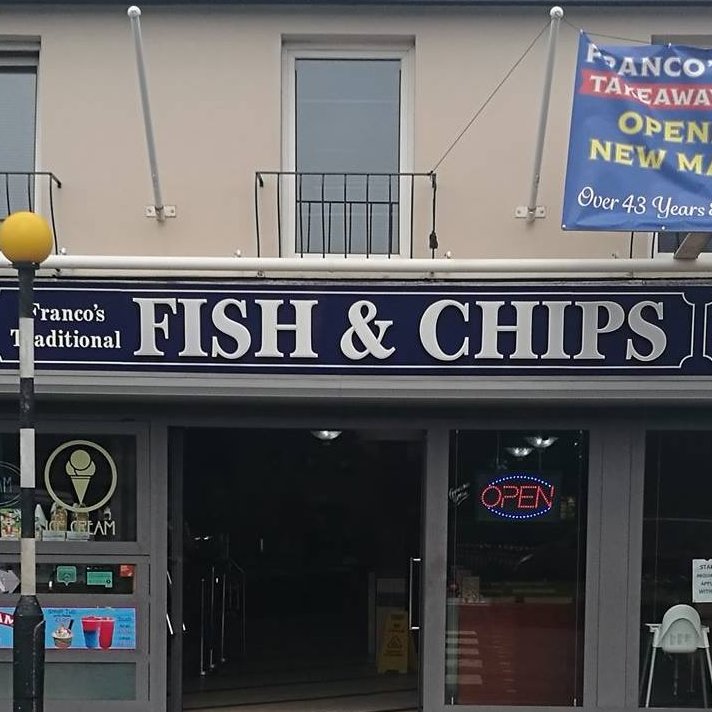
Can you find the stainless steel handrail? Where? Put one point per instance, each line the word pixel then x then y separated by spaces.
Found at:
pixel 202 627
pixel 211 659
pixel 241 601
pixel 413 561
pixel 227 593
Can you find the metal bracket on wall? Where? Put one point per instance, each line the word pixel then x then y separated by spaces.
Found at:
pixel 169 211
pixel 522 211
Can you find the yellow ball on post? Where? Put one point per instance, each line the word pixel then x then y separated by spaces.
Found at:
pixel 25 237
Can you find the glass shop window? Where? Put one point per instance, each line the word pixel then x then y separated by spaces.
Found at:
pixel 516 568
pixel 85 488
pixel 676 590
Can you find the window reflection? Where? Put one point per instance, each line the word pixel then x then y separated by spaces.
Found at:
pixel 347 155
pixel 515 598
pixel 677 536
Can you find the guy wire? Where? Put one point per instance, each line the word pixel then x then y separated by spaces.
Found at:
pixel 490 97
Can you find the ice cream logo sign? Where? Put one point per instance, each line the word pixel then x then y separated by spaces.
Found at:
pixel 518 496
pixel 81 476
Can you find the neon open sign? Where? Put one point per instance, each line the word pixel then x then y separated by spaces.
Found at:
pixel 518 496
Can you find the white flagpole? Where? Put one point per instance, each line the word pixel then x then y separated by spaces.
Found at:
pixel 556 13
pixel 134 14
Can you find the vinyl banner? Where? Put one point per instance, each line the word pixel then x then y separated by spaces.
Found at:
pixel 640 149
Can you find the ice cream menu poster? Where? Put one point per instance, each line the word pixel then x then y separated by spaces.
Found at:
pixel 80 628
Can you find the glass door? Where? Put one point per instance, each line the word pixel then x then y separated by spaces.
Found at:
pixel 301 567
pixel 516 540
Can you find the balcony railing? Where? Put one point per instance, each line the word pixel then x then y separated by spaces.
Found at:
pixel 366 214
pixel 20 190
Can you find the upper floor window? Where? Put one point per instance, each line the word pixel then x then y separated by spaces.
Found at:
pixel 669 242
pixel 18 102
pixel 346 150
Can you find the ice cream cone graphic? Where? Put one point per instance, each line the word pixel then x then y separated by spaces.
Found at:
pixel 80 468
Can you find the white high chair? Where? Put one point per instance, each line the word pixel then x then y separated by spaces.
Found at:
pixel 680 633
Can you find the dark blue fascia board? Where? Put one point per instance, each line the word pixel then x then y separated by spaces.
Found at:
pixel 382 3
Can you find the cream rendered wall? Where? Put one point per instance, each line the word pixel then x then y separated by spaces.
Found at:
pixel 215 80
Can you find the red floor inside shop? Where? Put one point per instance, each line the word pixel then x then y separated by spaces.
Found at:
pixel 511 653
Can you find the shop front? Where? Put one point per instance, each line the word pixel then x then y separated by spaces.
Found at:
pixel 519 470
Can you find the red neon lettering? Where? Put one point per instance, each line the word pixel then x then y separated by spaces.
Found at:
pixel 6 619
pixel 512 498
pixel 498 495
pixel 528 497
pixel 540 493
pixel 513 491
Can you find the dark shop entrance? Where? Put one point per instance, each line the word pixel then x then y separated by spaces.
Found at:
pixel 300 548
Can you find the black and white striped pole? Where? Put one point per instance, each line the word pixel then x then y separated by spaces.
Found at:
pixel 26 240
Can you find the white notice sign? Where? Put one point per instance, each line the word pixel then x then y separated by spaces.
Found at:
pixel 702 580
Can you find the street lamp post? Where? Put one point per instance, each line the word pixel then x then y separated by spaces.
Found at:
pixel 26 240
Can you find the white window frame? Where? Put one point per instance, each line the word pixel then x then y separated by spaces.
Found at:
pixel 291 51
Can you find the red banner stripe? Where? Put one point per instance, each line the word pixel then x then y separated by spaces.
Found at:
pixel 609 85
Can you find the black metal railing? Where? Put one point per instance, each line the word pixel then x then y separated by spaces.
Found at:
pixel 345 214
pixel 25 190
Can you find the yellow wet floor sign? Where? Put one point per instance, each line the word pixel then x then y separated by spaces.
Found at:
pixel 393 655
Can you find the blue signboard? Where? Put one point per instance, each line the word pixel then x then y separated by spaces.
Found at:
pixel 376 328
pixel 80 628
pixel 640 149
